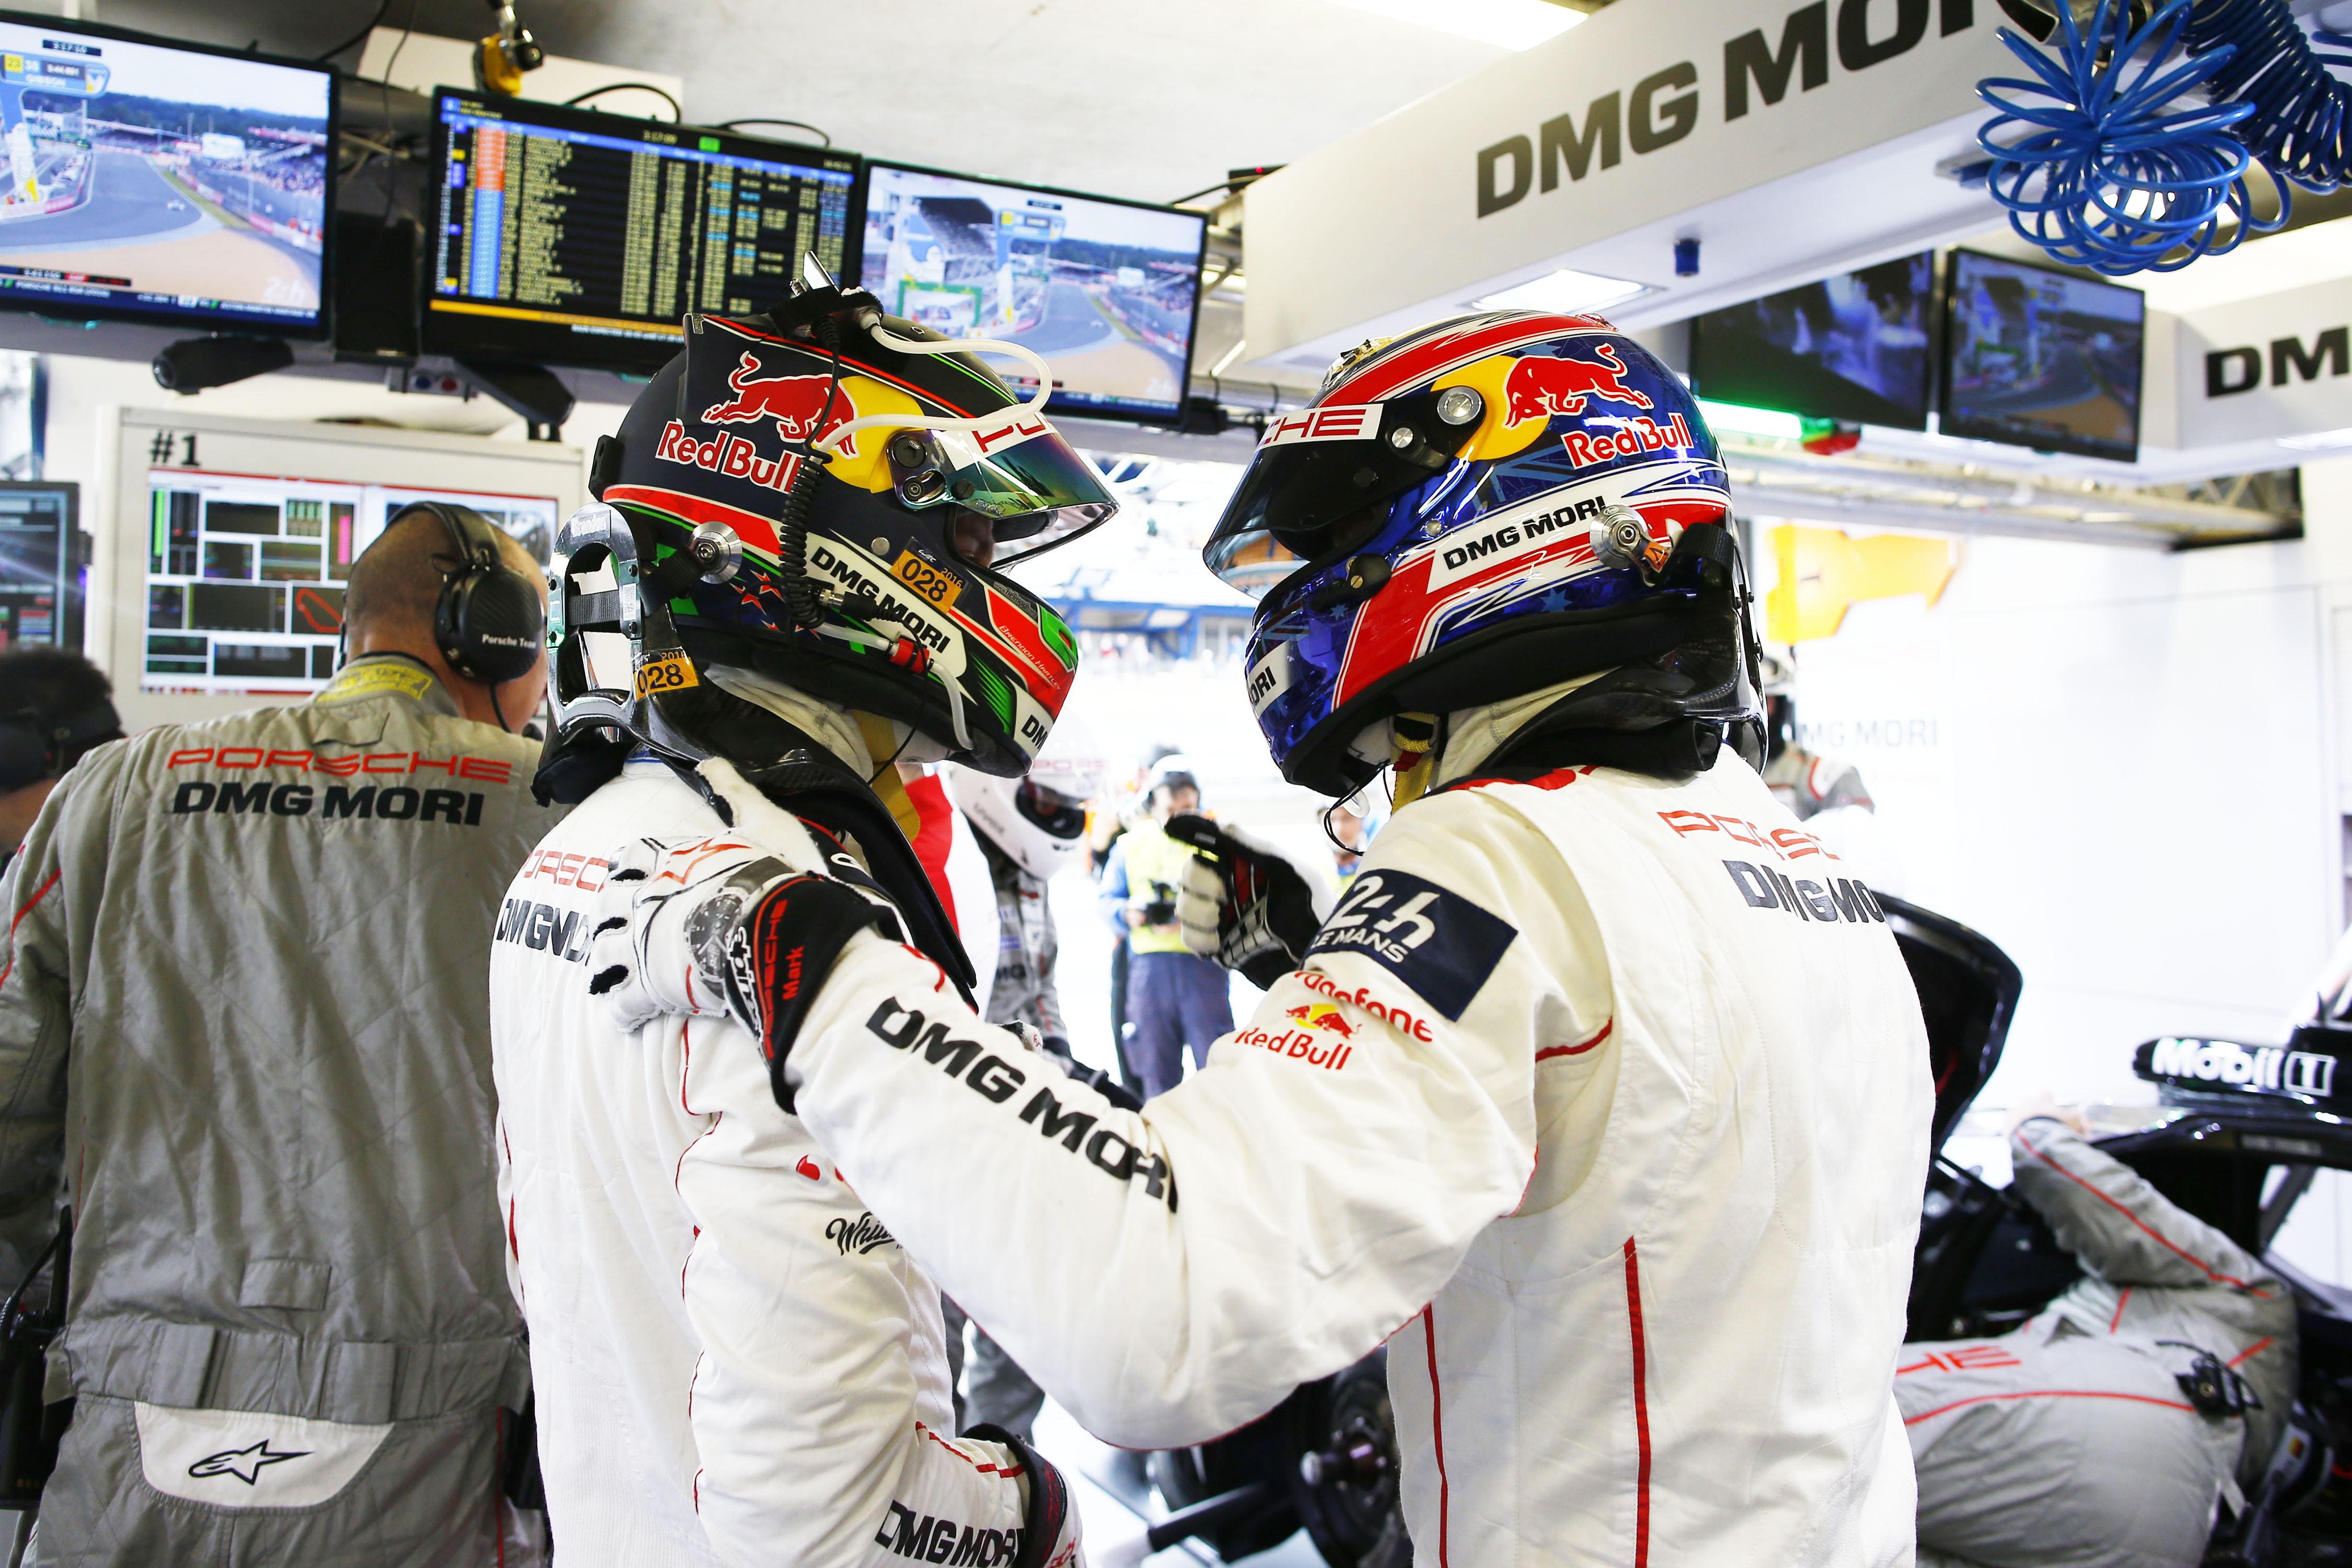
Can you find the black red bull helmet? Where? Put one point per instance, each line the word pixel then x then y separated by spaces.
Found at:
pixel 1477 511
pixel 816 495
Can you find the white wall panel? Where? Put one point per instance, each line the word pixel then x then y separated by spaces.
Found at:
pixel 2116 764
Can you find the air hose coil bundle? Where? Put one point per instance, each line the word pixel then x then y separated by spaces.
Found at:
pixel 2102 165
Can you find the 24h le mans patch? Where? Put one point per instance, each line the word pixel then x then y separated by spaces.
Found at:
pixel 1439 943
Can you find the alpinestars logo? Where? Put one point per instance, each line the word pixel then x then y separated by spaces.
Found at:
pixel 245 1464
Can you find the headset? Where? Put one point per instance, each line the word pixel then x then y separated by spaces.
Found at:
pixel 32 748
pixel 489 623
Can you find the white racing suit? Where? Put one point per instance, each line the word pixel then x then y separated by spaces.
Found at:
pixel 2069 1442
pixel 736 1363
pixel 1602 1100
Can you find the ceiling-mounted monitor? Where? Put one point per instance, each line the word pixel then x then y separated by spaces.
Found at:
pixel 41 564
pixel 567 236
pixel 2040 358
pixel 1108 292
pixel 156 181
pixel 1852 347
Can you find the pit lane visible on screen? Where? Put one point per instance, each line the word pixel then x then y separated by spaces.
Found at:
pixel 165 182
pixel 1106 290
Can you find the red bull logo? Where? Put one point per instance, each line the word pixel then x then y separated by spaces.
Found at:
pixel 726 454
pixel 1299 1045
pixel 797 403
pixel 1316 1015
pixel 1538 387
pixel 1639 434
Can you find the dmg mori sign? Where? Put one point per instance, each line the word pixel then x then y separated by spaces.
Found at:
pixel 2280 366
pixel 1788 140
pixel 1759 72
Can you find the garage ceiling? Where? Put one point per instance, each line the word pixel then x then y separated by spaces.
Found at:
pixel 1130 97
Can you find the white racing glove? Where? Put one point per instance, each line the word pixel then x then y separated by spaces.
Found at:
pixel 744 924
pixel 1244 903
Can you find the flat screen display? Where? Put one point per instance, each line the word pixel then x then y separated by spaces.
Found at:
pixel 162 182
pixel 1107 291
pixel 41 567
pixel 1854 347
pixel 2043 359
pixel 246 573
pixel 566 236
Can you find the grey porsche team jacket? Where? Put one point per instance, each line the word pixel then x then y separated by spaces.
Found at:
pixel 244 1034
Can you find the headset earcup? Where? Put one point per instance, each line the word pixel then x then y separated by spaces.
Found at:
pixel 26 756
pixel 497 624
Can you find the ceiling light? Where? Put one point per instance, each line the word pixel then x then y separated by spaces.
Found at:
pixel 2324 441
pixel 1567 292
pixel 1506 24
pixel 1748 421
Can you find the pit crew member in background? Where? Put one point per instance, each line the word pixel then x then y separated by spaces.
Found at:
pixel 1588 933
pixel 243 1012
pixel 736 1361
pixel 1031 829
pixel 1805 782
pixel 1175 999
pixel 2105 1431
pixel 57 708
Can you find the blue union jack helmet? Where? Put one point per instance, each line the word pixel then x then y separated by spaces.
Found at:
pixel 1480 510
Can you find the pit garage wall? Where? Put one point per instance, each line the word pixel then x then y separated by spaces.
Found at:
pixel 2132 770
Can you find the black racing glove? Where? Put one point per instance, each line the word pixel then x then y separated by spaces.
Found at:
pixel 1244 903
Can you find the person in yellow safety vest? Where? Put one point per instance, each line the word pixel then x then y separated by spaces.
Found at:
pixel 1174 997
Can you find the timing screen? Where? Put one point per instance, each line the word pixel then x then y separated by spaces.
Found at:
pixel 2044 359
pixel 1104 292
pixel 37 575
pixel 558 220
pixel 157 179
pixel 245 573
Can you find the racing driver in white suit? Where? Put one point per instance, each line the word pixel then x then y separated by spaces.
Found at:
pixel 1602 1096
pixel 738 1363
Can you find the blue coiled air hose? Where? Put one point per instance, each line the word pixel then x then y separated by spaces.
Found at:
pixel 2105 177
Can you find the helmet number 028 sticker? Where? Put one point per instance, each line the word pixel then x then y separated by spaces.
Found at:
pixel 1438 942
pixel 937 588
pixel 665 672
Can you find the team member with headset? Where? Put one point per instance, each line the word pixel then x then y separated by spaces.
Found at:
pixel 244 1048
pixel 64 709
pixel 1602 1084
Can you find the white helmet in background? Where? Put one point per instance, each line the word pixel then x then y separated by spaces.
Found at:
pixel 1039 819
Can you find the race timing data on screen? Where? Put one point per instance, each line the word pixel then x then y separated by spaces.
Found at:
pixel 1107 291
pixel 246 573
pixel 580 238
pixel 2044 359
pixel 162 183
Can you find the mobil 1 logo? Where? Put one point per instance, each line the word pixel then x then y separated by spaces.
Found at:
pixel 1439 943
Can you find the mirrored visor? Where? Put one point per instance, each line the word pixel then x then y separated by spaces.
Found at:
pixel 1320 466
pixel 1035 489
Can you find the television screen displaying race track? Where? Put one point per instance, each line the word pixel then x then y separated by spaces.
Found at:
pixel 2043 359
pixel 147 181
pixel 1103 290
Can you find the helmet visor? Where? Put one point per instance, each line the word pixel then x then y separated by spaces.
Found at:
pixel 1321 465
pixel 1034 489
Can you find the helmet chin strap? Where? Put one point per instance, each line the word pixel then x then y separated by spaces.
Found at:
pixel 1415 735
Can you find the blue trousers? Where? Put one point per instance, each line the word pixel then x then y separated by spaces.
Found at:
pixel 1174 999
